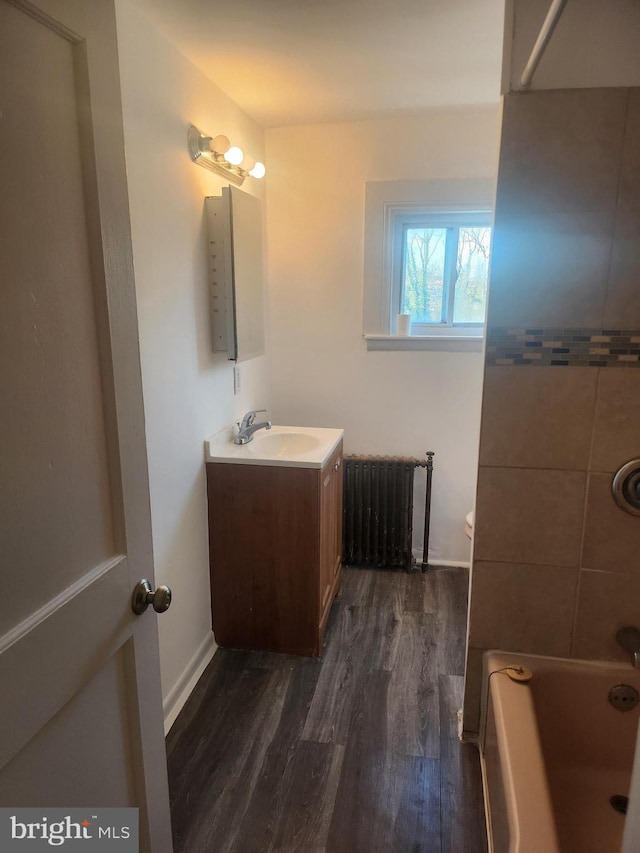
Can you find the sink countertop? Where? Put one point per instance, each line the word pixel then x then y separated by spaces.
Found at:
pixel 284 446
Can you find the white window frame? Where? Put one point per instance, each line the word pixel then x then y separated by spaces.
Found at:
pixel 384 201
pixel 449 219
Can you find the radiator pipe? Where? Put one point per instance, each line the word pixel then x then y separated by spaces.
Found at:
pixel 427 512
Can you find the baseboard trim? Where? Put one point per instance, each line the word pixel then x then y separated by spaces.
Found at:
pixel 462 564
pixel 176 698
pixel 438 561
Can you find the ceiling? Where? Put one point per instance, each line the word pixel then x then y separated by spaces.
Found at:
pixel 305 61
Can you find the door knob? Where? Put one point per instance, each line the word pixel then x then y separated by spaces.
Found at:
pixel 143 596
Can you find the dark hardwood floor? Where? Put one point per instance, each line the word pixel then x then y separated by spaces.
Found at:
pixel 355 752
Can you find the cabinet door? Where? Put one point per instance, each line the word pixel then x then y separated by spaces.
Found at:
pixel 330 528
pixel 325 567
pixel 336 512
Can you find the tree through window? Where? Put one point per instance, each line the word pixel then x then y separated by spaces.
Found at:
pixel 444 269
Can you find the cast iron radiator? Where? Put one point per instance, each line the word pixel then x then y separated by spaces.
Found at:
pixel 378 511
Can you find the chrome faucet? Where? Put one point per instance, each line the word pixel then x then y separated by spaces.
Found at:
pixel 247 426
pixel 629 639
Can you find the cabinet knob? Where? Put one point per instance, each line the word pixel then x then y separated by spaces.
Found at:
pixel 337 465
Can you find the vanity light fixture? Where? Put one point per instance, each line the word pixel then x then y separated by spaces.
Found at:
pixel 219 155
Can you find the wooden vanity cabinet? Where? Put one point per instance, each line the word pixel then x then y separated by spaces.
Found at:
pixel 275 552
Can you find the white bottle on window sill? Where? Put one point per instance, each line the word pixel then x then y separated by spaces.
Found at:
pixel 403 324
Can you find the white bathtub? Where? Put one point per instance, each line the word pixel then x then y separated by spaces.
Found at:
pixel 554 751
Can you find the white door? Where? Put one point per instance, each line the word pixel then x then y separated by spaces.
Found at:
pixel 80 703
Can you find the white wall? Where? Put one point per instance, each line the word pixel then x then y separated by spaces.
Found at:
pixel 188 391
pixel 387 402
pixel 595 44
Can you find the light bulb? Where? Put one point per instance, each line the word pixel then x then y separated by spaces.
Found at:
pixel 234 155
pixel 219 144
pixel 248 163
pixel 258 170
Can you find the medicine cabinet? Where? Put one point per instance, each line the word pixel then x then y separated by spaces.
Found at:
pixel 236 273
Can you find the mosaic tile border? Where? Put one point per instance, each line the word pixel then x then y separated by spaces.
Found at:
pixel 561 347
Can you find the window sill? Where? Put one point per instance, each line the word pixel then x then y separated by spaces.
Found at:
pixel 438 343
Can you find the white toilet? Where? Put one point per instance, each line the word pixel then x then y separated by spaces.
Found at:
pixel 468 524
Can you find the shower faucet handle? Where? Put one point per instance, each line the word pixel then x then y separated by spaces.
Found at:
pixel 629 638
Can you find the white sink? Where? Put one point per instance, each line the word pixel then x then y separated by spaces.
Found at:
pixel 283 444
pixel 299 447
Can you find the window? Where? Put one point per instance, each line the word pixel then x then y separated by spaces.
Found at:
pixel 440 270
pixel 426 253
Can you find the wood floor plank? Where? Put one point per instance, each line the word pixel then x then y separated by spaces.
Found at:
pixel 361 639
pixel 198 747
pixel 231 808
pixel 385 802
pixel 413 690
pixel 274 660
pixel 208 808
pixel 418 825
pixel 357 587
pixel 339 681
pixel 463 826
pixel 268 804
pixel 452 586
pixel 391 805
pixel 369 794
pixel 384 620
pixel 224 685
pixel 420 593
pixel 310 790
pixel 213 690
pixel 381 639
pixel 389 590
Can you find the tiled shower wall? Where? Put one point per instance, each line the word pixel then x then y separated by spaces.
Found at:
pixel 556 564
